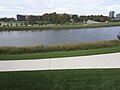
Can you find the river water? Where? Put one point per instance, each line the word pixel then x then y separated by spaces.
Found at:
pixel 47 37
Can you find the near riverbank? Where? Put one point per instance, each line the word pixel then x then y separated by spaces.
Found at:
pixel 58 27
pixel 56 51
pixel 60 54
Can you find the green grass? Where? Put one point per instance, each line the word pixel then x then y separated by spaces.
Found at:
pixel 99 79
pixel 60 54
pixel 57 27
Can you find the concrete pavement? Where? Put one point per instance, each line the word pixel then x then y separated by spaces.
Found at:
pixel 81 62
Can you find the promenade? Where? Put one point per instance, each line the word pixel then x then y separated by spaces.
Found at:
pixel 81 62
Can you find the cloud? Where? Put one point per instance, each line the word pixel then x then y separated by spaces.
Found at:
pixel 30 2
pixel 18 7
pixel 5 8
pixel 60 10
pixel 81 7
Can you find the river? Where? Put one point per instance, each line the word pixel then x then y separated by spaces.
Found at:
pixel 47 37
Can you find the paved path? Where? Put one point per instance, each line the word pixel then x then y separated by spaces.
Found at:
pixel 82 62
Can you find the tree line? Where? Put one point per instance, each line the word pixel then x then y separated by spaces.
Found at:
pixel 54 18
pixel 7 19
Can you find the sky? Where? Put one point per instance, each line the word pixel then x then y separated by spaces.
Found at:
pixel 9 8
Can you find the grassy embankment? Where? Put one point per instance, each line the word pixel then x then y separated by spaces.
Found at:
pixel 57 27
pixel 59 54
pixel 100 79
pixel 66 50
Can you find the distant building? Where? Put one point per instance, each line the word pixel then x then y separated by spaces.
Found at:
pixel 28 17
pixel 21 17
pixel 118 16
pixel 91 22
pixel 111 14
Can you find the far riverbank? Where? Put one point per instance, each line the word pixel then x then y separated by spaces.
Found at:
pixel 58 27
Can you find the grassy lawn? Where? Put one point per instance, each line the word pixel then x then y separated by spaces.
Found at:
pixel 99 79
pixel 57 27
pixel 59 54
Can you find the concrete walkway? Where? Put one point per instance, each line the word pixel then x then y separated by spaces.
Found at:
pixel 82 62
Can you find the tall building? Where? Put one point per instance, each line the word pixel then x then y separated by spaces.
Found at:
pixel 118 16
pixel 111 14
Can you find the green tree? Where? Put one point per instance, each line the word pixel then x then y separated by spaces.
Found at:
pixel 7 19
pixel 75 18
pixel 83 18
pixel 54 18
pixel 21 24
pixel 16 24
pixel 66 18
pixel 46 18
pixel 11 24
pixel 25 24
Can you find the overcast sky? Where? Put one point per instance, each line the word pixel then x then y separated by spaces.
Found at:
pixel 9 8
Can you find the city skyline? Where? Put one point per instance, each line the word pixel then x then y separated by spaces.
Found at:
pixel 39 7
